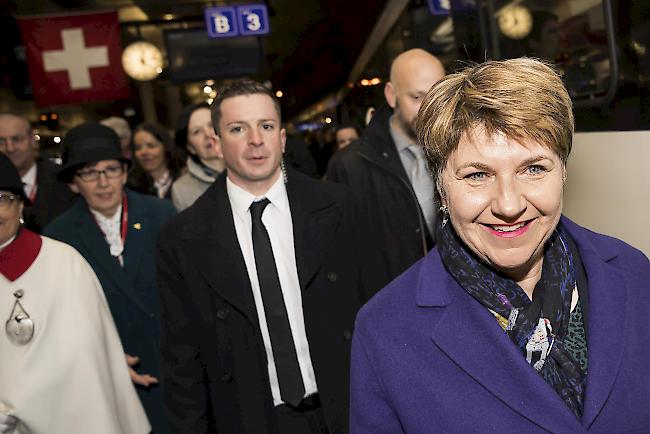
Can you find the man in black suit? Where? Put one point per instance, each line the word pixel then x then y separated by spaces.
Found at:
pixel 259 288
pixel 387 171
pixel 49 198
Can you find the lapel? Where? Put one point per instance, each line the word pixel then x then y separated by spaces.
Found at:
pixel 138 227
pixel 94 243
pixel 469 334
pixel 379 146
pixel 212 242
pixel 608 292
pixel 316 217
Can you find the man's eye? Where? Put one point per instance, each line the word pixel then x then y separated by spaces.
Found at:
pixel 236 129
pixel 267 126
pixel 535 169
pixel 477 176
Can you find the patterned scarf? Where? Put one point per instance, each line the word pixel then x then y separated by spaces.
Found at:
pixel 536 327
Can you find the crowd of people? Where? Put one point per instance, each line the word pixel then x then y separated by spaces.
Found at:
pixel 201 284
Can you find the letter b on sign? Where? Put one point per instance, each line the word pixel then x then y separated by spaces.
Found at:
pixel 221 24
pixel 221 21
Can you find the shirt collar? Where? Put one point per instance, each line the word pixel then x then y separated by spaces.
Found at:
pixel 241 200
pixel 401 141
pixel 30 176
pixel 102 218
pixel 6 243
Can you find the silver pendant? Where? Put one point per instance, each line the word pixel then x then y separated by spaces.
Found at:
pixel 19 326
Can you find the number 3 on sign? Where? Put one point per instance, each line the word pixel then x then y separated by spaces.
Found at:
pixel 253 22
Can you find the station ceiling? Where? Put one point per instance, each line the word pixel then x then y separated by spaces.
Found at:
pixel 309 53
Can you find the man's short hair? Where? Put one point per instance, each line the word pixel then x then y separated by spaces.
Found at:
pixel 348 125
pixel 29 130
pixel 238 88
pixel 521 98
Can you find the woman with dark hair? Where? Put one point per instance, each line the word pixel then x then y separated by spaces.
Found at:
pixel 157 162
pixel 194 132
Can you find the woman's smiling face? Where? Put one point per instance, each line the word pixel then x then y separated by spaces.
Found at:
pixel 504 198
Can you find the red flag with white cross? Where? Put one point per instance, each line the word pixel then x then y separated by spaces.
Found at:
pixel 74 58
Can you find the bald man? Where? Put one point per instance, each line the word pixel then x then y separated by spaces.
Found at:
pixel 49 198
pixel 387 170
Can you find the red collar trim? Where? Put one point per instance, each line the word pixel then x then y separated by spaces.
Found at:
pixel 20 254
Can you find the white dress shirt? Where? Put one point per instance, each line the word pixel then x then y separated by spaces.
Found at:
pixel 29 182
pixel 278 223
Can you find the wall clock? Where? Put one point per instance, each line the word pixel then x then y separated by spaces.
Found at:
pixel 515 22
pixel 142 61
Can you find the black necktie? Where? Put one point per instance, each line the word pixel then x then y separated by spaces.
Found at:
pixel 292 389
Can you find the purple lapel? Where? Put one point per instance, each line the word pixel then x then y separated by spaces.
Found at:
pixel 481 348
pixel 608 293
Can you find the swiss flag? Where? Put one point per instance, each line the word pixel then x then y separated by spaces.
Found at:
pixel 74 58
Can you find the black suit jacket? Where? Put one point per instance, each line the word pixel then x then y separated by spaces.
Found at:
pixel 52 198
pixel 393 222
pixel 214 365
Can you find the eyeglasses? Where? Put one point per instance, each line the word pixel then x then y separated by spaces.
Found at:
pixel 7 200
pixel 93 175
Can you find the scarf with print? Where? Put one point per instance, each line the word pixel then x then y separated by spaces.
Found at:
pixel 536 327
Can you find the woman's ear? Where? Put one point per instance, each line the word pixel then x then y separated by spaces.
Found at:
pixel 73 187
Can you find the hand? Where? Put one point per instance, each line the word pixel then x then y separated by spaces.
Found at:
pixel 145 380
pixel 7 423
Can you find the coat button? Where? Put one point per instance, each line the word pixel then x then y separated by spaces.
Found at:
pixel 417 230
pixel 385 154
pixel 347 334
pixel 332 276
pixel 226 377
pixel 223 313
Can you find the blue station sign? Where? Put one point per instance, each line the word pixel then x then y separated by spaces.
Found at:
pixel 230 21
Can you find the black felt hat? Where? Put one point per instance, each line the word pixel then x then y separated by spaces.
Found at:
pixel 88 143
pixel 10 179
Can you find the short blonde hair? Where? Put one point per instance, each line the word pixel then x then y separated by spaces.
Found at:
pixel 521 98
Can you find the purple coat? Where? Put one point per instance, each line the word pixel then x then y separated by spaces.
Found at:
pixel 427 357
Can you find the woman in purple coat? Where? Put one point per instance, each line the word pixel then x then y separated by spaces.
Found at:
pixel 520 320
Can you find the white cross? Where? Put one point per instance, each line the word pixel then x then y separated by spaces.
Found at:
pixel 75 58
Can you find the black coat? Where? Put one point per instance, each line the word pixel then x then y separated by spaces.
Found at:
pixel 390 212
pixel 214 365
pixel 52 198
pixel 131 290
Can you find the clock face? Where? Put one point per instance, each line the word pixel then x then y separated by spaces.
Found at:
pixel 515 22
pixel 142 61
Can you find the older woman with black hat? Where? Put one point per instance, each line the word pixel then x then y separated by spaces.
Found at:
pixel 62 364
pixel 115 229
pixel 194 132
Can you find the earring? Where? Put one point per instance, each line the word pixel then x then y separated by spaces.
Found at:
pixel 445 215
pixel 21 221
